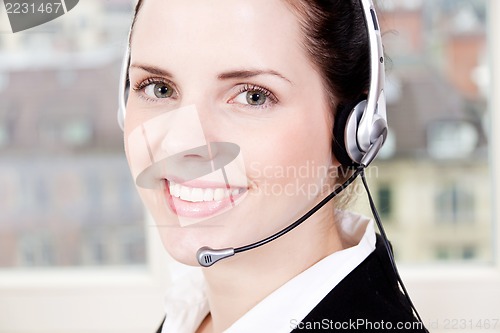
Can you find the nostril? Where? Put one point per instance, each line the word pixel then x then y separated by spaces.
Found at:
pixel 202 153
pixel 195 156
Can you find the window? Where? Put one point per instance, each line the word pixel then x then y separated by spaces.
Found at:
pixel 455 205
pixel 456 253
pixel 384 205
pixel 452 139
pixel 7 118
pixel 36 249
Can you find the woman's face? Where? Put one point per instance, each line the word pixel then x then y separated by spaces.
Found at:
pixel 224 83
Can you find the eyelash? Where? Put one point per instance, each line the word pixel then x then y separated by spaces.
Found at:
pixel 244 88
pixel 152 80
pixel 266 92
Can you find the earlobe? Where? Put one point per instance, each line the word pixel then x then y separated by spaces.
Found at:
pixel 335 164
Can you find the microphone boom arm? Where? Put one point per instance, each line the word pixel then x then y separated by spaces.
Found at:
pixel 207 256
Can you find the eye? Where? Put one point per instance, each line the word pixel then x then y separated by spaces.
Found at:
pixel 154 89
pixel 159 90
pixel 252 97
pixel 255 96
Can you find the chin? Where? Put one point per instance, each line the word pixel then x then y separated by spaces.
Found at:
pixel 182 245
pixel 182 254
pixel 184 258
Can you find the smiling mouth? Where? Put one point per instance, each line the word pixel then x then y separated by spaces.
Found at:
pixel 198 194
pixel 204 201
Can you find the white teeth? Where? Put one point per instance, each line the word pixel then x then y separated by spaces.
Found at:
pixel 218 194
pixel 195 194
pixel 208 195
pixel 175 190
pixel 185 193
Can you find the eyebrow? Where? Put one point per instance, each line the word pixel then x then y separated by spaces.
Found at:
pixel 152 70
pixel 245 74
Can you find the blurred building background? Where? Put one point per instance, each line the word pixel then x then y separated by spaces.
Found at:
pixel 66 197
pixel 432 181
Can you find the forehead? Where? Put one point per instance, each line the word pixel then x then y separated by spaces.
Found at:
pixel 252 31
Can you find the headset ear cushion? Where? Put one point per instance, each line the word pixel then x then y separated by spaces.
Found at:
pixel 339 127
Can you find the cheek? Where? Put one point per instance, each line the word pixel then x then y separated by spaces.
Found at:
pixel 154 201
pixel 294 152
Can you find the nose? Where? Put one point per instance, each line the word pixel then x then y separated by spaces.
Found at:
pixel 184 144
pixel 183 131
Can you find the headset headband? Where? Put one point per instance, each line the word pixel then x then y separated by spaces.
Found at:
pixel 373 123
pixel 124 84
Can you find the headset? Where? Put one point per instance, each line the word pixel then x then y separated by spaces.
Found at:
pixel 359 134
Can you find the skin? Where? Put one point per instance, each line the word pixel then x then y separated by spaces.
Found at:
pixel 196 42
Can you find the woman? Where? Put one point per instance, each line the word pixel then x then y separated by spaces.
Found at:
pixel 229 136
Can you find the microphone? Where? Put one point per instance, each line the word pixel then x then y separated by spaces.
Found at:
pixel 207 256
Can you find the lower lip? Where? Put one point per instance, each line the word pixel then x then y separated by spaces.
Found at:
pixel 200 210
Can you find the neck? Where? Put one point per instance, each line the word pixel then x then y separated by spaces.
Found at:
pixel 235 285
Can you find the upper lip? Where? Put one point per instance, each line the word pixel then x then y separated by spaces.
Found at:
pixel 200 183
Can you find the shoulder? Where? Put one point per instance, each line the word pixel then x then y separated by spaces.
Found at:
pixel 368 299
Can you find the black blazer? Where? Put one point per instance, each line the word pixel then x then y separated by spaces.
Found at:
pixel 367 300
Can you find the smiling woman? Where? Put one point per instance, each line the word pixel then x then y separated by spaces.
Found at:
pixel 222 91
